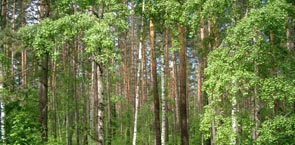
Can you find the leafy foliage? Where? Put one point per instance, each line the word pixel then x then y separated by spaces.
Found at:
pixel 248 59
pixel 21 124
pixel 45 36
pixel 279 130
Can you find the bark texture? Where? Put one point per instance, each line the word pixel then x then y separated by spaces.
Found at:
pixel 155 85
pixel 183 97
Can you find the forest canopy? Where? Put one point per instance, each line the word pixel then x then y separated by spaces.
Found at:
pixel 147 72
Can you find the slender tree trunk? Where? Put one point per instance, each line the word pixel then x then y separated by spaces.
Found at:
pixel 2 112
pixel 139 63
pixel 234 118
pixel 70 97
pixel 43 81
pixel 76 89
pixel 3 13
pixel 127 90
pixel 127 85
pixel 143 69
pixel 165 82
pixel 155 85
pixel 182 106
pixel 132 59
pixel 163 132
pixel 12 49
pixel 109 135
pixel 255 117
pixel 24 52
pixel 175 93
pixel 255 108
pixel 85 101
pixel 92 100
pixel 99 118
pixel 54 104
pixel 167 73
pixel 2 105
pixel 200 66
pixel 137 98
pixel 43 97
pixel 111 106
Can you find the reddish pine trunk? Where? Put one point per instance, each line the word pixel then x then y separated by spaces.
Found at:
pixel 183 99
pixel 155 86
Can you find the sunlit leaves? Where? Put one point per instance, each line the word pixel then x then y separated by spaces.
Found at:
pixel 49 33
pixel 251 62
pixel 279 130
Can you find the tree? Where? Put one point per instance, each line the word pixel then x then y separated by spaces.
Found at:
pixel 243 64
pixel 155 85
pixel 164 78
pixel 182 91
pixel 139 63
pixel 98 81
pixel 2 114
pixel 43 84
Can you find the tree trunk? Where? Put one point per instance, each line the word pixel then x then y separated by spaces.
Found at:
pixel 43 97
pixel 96 105
pixel 85 105
pixel 234 117
pixel 92 100
pixel 200 66
pixel 255 108
pixel 109 129
pixel 12 49
pixel 99 103
pixel 137 98
pixel 143 70
pixel 175 93
pixel 4 17
pixel 183 99
pixel 127 85
pixel 132 59
pixel 43 81
pixel 24 52
pixel 70 97
pixel 2 111
pixel 53 101
pixel 163 132
pixel 76 89
pixel 139 62
pixel 167 78
pixel 155 85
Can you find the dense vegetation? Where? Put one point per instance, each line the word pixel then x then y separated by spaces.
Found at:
pixel 147 72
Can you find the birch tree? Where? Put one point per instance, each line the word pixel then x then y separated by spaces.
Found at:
pixel 2 112
pixel 139 63
pixel 246 59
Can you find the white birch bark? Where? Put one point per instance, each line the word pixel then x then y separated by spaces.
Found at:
pixel 234 119
pixel 2 113
pixel 138 82
pixel 136 100
pixel 99 125
pixel 2 121
pixel 92 102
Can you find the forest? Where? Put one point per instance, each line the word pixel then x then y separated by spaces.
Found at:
pixel 143 72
